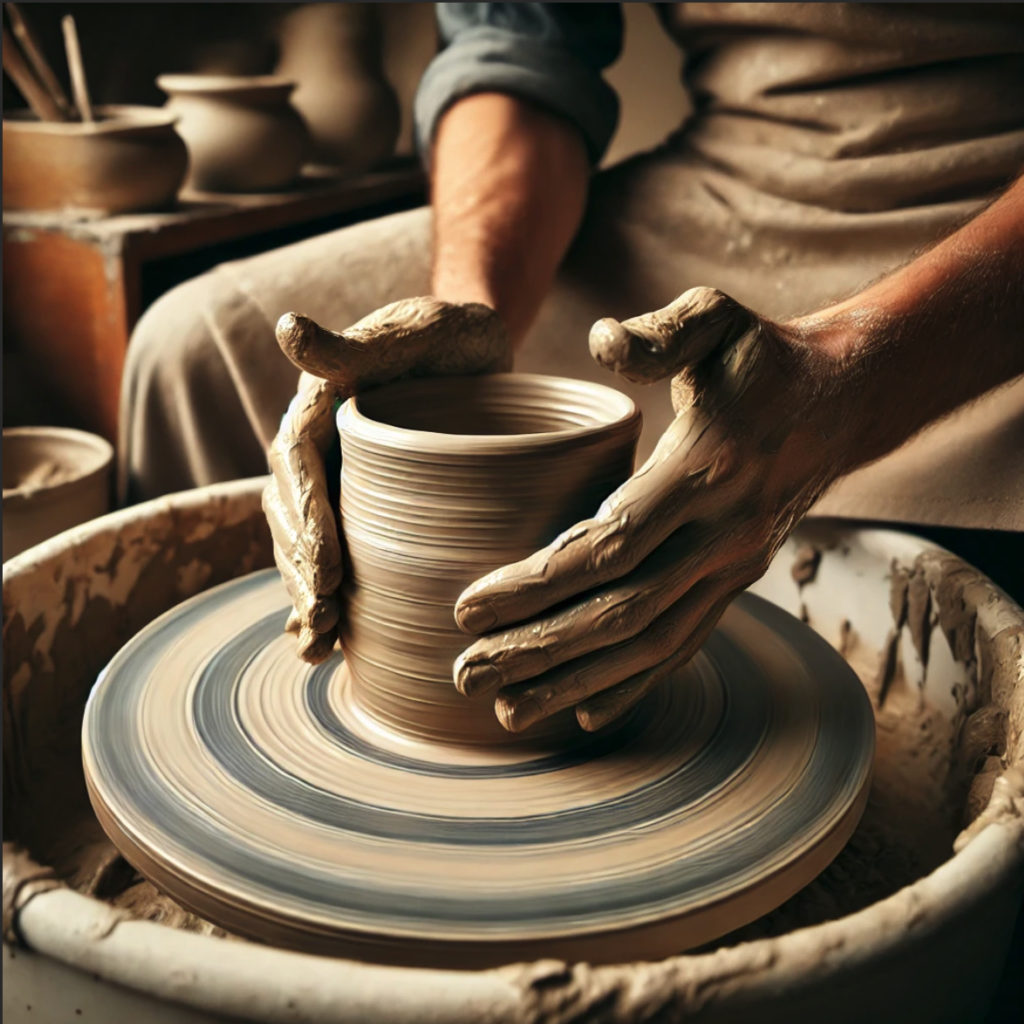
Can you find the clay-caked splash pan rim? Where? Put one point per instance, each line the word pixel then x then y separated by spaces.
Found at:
pixel 396 417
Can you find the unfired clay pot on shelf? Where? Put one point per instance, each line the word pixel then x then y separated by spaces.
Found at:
pixel 334 52
pixel 54 478
pixel 130 160
pixel 443 481
pixel 242 132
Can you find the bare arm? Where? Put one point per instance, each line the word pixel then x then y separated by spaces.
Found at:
pixel 509 187
pixel 768 416
pixel 930 337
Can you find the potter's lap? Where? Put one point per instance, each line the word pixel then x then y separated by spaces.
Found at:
pixel 652 231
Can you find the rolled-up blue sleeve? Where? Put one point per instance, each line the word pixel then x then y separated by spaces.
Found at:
pixel 550 54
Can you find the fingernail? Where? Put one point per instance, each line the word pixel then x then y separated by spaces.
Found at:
pixel 597 712
pixel 609 342
pixel 315 648
pixel 517 714
pixel 477 618
pixel 592 720
pixel 324 614
pixel 474 679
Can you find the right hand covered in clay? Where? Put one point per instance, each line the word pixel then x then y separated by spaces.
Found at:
pixel 616 603
pixel 420 337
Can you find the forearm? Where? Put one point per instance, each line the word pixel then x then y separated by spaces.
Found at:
pixel 509 186
pixel 934 335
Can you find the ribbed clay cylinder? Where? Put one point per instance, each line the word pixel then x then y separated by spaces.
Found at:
pixel 444 480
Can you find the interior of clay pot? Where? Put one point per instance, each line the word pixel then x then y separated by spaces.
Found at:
pixel 495 406
pixel 37 459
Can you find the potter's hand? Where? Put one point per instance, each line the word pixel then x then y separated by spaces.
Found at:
pixel 415 337
pixel 616 603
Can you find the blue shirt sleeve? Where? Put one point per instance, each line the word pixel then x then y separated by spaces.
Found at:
pixel 550 54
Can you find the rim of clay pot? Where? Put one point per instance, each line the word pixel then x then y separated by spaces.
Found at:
pixel 119 118
pixel 600 408
pixel 218 84
pixel 97 456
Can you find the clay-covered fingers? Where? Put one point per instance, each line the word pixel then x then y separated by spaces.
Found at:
pixel 308 556
pixel 665 494
pixel 418 337
pixel 601 619
pixel 413 337
pixel 604 707
pixel 302 521
pixel 657 345
pixel 674 634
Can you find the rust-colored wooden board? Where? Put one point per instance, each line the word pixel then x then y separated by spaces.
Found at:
pixel 69 307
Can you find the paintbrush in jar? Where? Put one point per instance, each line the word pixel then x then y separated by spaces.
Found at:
pixel 78 82
pixel 33 54
pixel 16 66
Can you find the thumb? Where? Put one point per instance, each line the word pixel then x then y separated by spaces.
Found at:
pixel 421 336
pixel 656 345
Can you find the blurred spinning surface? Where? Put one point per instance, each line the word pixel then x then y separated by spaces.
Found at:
pixel 256 791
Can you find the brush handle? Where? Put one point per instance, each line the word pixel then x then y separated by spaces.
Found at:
pixel 33 54
pixel 77 68
pixel 21 74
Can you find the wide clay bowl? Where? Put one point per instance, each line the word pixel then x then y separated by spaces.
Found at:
pixel 442 482
pixel 130 160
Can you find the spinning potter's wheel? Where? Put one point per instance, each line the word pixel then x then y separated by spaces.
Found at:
pixel 257 792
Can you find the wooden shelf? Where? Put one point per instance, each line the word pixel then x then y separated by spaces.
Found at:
pixel 73 285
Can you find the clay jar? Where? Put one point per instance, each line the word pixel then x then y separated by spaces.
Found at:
pixel 334 52
pixel 443 481
pixel 129 160
pixel 54 478
pixel 242 132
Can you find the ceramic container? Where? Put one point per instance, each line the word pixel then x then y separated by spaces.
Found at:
pixel 130 160
pixel 443 481
pixel 932 951
pixel 242 132
pixel 334 51
pixel 54 479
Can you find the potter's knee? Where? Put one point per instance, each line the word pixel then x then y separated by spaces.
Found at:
pixel 174 330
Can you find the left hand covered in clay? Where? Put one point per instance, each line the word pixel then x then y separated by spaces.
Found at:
pixel 419 337
pixel 616 603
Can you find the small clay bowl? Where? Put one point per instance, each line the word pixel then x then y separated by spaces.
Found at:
pixel 130 160
pixel 443 481
pixel 242 132
pixel 53 478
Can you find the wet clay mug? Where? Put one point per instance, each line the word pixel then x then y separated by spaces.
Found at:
pixel 444 480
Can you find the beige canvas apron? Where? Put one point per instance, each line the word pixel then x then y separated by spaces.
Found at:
pixel 830 142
